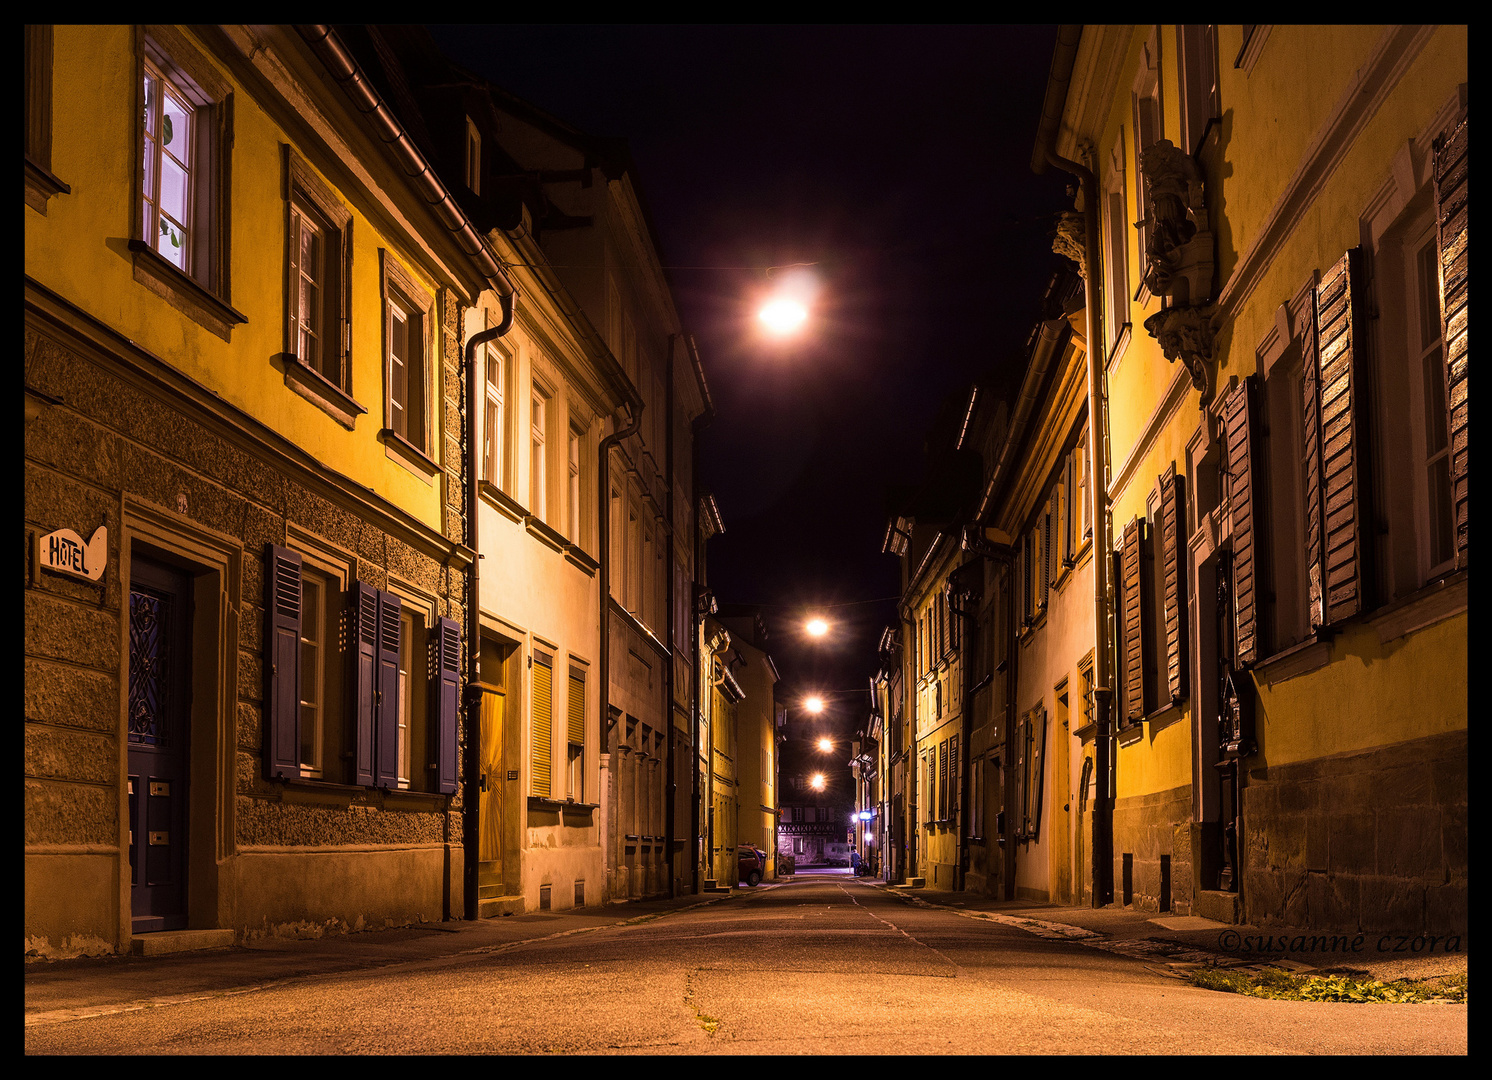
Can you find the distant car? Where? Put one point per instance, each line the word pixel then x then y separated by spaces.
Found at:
pixel 752 862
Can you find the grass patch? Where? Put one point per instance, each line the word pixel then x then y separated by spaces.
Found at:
pixel 1280 984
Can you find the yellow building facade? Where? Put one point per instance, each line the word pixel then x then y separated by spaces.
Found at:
pixel 243 328
pixel 1283 352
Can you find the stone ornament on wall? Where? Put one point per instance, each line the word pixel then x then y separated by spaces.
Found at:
pixel 1069 240
pixel 1185 334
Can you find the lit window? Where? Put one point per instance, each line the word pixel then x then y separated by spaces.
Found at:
pixel 169 169
pixel 494 420
pixel 574 485
pixel 538 474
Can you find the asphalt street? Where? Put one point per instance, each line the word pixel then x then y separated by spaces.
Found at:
pixel 820 965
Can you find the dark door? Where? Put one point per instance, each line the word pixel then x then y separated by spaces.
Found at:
pixel 160 615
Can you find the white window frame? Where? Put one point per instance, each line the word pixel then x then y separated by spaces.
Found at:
pixel 540 408
pixel 497 362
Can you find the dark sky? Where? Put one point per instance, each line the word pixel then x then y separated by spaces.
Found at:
pixel 897 159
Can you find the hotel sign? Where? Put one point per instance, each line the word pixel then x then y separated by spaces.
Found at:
pixel 63 551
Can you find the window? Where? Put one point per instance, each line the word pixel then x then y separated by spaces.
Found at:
pixel 387 742
pixel 1116 252
pixel 182 233
pixel 1147 130
pixel 538 477
pixel 494 418
pixel 542 718
pixel 41 185
pixel 409 359
pixel 318 291
pixel 572 514
pixel 575 785
pixel 1196 60
pixel 473 163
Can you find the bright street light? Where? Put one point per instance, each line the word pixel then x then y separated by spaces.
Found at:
pixel 783 316
pixel 817 781
pixel 814 704
pixel 825 745
pixel 817 628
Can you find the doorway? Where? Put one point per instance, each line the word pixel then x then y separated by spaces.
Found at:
pixel 160 705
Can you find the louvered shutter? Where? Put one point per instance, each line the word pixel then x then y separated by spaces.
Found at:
pixel 386 692
pixel 1311 438
pixel 955 778
pixel 282 701
pixel 364 615
pixel 1044 553
pixel 445 679
pixel 1038 766
pixel 1173 567
pixel 943 780
pixel 1132 623
pixel 543 724
pixel 1239 420
pixel 577 707
pixel 1343 493
pixel 1451 181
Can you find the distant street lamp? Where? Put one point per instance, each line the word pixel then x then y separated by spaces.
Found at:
pixel 783 316
pixel 814 704
pixel 817 781
pixel 826 745
pixel 817 627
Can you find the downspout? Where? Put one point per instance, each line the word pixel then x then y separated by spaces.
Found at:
pixel 671 785
pixel 696 617
pixel 1045 153
pixel 344 69
pixel 603 651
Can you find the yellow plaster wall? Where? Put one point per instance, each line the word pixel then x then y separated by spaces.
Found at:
pixel 80 250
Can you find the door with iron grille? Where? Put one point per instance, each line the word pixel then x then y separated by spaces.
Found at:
pixel 160 670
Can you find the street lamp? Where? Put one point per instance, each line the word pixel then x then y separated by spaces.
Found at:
pixel 826 745
pixel 782 316
pixel 816 628
pixel 817 781
pixel 814 704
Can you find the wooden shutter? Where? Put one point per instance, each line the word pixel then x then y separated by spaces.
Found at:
pixel 1239 419
pixel 955 781
pixel 364 616
pixel 1343 441
pixel 1451 180
pixel 543 721
pixel 445 679
pixel 1132 633
pixel 1038 766
pixel 282 700
pixel 1044 553
pixel 577 707
pixel 943 780
pixel 1173 569
pixel 1311 449
pixel 386 693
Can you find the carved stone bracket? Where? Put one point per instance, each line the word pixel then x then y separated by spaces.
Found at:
pixel 1186 334
pixel 1179 248
pixel 1069 240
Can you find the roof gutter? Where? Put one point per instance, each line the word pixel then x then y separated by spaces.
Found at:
pixel 1064 59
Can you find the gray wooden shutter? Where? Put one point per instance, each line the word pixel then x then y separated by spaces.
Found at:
pixel 1038 767
pixel 943 780
pixel 1343 441
pixel 364 616
pixel 386 693
pixel 282 698
pixel 1173 569
pixel 445 680
pixel 1239 412
pixel 1131 603
pixel 1451 181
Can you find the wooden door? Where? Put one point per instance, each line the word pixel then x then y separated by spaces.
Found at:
pixel 490 791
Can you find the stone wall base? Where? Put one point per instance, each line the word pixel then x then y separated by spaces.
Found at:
pixel 1154 832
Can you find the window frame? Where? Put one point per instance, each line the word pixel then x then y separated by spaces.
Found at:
pixel 496 418
pixel 1149 128
pixel 400 290
pixel 41 183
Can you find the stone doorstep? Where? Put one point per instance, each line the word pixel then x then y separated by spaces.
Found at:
pixel 491 907
pixel 165 942
pixel 914 883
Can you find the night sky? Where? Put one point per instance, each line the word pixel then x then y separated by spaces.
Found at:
pixel 895 159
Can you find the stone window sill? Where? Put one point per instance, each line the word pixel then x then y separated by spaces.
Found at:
pixel 407 454
pixel 504 503
pixel 321 391
pixel 1434 603
pixel 41 185
pixel 183 292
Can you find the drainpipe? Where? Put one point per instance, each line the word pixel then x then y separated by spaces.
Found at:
pixel 671 784
pixel 1045 153
pixel 603 652
pixel 696 617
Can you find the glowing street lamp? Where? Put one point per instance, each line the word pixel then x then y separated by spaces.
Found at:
pixel 783 316
pixel 817 627
pixel 817 781
pixel 826 745
pixel 814 704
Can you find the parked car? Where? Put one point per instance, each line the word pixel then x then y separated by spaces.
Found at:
pixel 752 862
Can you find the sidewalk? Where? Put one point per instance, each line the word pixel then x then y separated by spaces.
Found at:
pixel 58 988
pixel 1183 941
